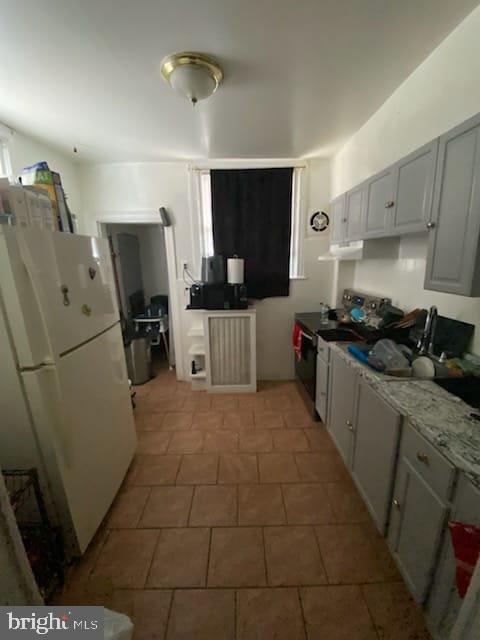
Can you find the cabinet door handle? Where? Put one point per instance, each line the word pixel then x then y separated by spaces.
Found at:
pixel 350 427
pixel 396 504
pixel 389 204
pixel 430 225
pixel 422 457
pixel 348 423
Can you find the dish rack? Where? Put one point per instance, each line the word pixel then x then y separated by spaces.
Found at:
pixel 42 541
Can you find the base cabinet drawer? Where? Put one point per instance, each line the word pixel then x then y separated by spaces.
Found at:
pixel 417 523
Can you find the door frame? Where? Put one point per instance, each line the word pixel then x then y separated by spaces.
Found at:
pixel 153 217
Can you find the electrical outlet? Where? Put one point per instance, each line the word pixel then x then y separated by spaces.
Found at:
pixel 184 265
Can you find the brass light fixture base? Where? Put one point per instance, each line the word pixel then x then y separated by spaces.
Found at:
pixel 195 59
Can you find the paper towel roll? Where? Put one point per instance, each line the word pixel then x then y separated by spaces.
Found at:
pixel 235 270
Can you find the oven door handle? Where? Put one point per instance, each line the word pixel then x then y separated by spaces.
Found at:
pixel 305 335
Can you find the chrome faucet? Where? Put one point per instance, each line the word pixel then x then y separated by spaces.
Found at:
pixel 425 344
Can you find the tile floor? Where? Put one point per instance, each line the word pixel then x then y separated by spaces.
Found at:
pixel 237 520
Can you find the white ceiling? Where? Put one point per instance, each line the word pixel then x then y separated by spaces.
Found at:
pixel 300 75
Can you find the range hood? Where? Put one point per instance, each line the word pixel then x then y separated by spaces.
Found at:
pixel 379 249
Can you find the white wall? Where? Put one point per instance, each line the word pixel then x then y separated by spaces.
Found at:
pixel 126 188
pixel 439 94
pixel 25 151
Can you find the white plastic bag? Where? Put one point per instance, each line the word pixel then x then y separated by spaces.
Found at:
pixel 117 626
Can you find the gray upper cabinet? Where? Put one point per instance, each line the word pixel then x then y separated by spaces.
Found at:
pixel 379 204
pixel 413 190
pixel 354 213
pixel 342 389
pixel 337 214
pixel 377 433
pixel 453 260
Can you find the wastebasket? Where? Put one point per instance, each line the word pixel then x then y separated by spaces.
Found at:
pixel 139 359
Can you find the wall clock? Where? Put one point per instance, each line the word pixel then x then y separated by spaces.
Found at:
pixel 319 221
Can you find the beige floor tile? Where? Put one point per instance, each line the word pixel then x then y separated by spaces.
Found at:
pixel 197 402
pixel 277 467
pixel 238 468
pixel 299 419
pixel 180 559
pixel 178 420
pixel 307 504
pixel 237 420
pixel 269 614
pixel 269 420
pixel 186 442
pixel 255 441
pixel 354 554
pixel 224 402
pixel 148 610
pixel 236 558
pixel 346 502
pixel 154 470
pixel 125 558
pixel 149 421
pixel 319 439
pixel 214 505
pixel 395 614
pixel 290 440
pixel 206 614
pixel 281 402
pixel 320 467
pixel 198 468
pixel 167 507
pixel 209 420
pixel 127 508
pixel 260 505
pixel 220 441
pixel 252 401
pixel 336 613
pixel 168 402
pixel 293 557
pixel 153 442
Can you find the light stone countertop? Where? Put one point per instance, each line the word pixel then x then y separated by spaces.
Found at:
pixel 439 416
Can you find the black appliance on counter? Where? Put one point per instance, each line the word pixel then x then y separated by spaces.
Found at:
pixel 313 327
pixel 218 296
pixel 214 292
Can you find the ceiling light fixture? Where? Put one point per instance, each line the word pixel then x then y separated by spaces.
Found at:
pixel 194 75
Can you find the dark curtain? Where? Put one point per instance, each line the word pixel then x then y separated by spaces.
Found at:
pixel 251 212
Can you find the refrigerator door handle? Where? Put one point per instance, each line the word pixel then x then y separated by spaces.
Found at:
pixel 29 267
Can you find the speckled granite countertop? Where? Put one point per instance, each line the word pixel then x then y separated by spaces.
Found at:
pixel 442 418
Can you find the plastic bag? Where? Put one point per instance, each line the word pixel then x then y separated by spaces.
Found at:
pixel 466 545
pixel 117 626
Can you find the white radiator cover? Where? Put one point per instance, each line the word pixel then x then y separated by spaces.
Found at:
pixel 230 351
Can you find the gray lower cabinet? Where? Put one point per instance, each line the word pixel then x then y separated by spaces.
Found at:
pixel 417 524
pixel 379 204
pixel 444 603
pixel 377 434
pixel 342 390
pixel 338 220
pixel 413 190
pixel 321 389
pixel 354 213
pixel 453 259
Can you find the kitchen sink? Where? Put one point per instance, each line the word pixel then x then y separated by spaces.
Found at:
pixel 467 388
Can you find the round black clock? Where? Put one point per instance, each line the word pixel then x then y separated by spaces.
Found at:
pixel 319 221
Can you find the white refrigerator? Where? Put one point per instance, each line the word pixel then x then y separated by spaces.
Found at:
pixel 64 400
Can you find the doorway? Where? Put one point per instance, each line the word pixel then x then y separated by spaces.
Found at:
pixel 142 283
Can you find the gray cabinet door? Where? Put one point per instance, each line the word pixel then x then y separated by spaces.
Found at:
pixel 453 251
pixel 342 389
pixel 416 526
pixel 337 214
pixel 379 205
pixel 354 212
pixel 413 190
pixel 377 433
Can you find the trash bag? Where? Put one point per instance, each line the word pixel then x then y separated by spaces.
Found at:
pixel 117 626
pixel 466 546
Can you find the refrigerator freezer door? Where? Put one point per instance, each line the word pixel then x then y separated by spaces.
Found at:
pixel 72 279
pixel 85 428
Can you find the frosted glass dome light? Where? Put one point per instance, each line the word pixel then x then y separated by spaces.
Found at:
pixel 193 75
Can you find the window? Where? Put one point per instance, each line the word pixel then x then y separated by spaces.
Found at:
pixel 203 197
